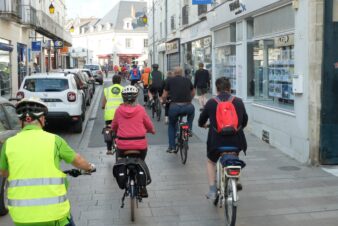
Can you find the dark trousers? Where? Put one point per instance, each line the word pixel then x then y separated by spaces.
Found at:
pixel 109 144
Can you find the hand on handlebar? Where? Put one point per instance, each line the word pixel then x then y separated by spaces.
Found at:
pixel 92 170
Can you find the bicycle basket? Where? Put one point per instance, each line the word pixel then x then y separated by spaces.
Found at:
pixel 231 160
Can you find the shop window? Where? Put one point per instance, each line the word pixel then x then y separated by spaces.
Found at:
pixel 225 64
pixel 5 71
pixel 270 71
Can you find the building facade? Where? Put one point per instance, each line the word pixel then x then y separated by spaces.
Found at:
pixel 264 48
pixel 29 34
pixel 119 37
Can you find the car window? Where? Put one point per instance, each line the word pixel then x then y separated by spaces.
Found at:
pixel 12 116
pixel 3 120
pixel 92 67
pixel 46 84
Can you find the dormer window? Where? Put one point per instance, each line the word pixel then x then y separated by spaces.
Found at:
pixel 127 24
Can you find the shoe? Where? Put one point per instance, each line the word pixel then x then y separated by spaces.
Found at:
pixel 143 192
pixel 171 150
pixel 190 133
pixel 211 195
pixel 110 153
pixel 166 120
pixel 239 186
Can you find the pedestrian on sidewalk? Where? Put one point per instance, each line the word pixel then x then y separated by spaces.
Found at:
pixel 37 187
pixel 202 83
pixel 216 142
pixel 111 100
pixel 181 91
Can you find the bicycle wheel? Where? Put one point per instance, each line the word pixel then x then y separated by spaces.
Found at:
pixel 158 110
pixel 184 151
pixel 132 202
pixel 230 208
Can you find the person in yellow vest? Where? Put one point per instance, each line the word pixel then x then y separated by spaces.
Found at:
pixel 37 188
pixel 111 101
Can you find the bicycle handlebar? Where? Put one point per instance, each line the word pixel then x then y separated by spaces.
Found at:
pixel 78 172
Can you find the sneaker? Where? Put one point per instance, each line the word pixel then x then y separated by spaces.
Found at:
pixel 144 192
pixel 211 195
pixel 110 152
pixel 239 186
pixel 171 150
pixel 190 133
pixel 166 120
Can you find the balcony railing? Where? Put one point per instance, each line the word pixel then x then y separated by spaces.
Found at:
pixel 28 15
pixel 9 9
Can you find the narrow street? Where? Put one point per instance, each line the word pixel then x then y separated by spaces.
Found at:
pixel 277 189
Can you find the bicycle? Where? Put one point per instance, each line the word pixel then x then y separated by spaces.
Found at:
pixel 156 107
pixel 182 138
pixel 134 179
pixel 77 172
pixel 228 170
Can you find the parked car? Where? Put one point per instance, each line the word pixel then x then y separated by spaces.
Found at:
pixel 90 77
pixel 97 72
pixel 61 92
pixel 83 81
pixel 9 126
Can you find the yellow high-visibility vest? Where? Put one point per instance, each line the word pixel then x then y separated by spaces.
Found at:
pixel 114 99
pixel 36 188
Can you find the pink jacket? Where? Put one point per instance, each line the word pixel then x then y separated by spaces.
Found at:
pixel 131 122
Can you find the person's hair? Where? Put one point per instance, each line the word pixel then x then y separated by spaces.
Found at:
pixel 178 71
pixel 116 79
pixel 223 84
pixel 170 74
pixel 200 65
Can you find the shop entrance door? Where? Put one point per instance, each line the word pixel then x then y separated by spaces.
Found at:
pixel 329 111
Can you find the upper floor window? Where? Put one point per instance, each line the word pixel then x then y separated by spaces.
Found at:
pixel 128 43
pixel 145 42
pixel 185 15
pixel 172 23
pixel 202 9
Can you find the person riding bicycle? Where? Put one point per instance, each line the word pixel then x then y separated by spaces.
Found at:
pixel 145 81
pixel 216 142
pixel 181 92
pixel 131 123
pixel 112 99
pixel 37 188
pixel 156 83
pixel 135 75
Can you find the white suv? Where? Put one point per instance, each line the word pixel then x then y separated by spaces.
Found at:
pixel 62 94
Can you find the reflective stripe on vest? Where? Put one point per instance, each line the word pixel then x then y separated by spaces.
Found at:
pixel 37 202
pixel 113 101
pixel 37 190
pixel 36 181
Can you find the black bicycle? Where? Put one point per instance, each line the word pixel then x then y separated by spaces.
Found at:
pixel 182 138
pixel 156 107
pixel 132 175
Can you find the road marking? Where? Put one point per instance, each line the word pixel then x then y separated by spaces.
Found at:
pixel 332 170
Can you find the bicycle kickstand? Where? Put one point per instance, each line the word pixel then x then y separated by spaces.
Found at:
pixel 124 196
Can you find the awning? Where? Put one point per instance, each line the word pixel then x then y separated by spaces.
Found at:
pixel 104 56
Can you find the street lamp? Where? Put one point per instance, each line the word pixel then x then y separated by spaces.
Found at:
pixel 51 8
pixel 145 19
pixel 71 29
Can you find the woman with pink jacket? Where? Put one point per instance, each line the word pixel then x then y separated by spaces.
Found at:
pixel 131 123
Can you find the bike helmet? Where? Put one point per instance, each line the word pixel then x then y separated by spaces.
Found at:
pixel 129 94
pixel 155 66
pixel 30 109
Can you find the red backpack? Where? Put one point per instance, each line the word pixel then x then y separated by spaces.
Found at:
pixel 226 117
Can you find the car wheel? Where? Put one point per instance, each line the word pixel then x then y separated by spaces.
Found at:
pixel 78 126
pixel 3 209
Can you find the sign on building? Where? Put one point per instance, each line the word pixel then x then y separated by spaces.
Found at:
pixel 36 46
pixel 201 2
pixel 58 44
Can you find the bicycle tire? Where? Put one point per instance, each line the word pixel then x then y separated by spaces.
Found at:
pixel 230 209
pixel 132 202
pixel 3 208
pixel 184 151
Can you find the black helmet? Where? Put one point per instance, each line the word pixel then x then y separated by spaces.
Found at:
pixel 30 109
pixel 154 66
pixel 129 94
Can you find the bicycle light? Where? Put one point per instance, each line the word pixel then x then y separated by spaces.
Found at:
pixel 185 127
pixel 232 171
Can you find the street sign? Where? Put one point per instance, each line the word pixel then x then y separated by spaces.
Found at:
pixel 58 44
pixel 36 46
pixel 201 2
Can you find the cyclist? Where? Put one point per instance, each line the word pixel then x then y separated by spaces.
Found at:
pixel 37 188
pixel 181 92
pixel 156 83
pixel 145 81
pixel 216 143
pixel 135 75
pixel 112 99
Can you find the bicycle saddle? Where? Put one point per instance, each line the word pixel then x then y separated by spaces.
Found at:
pixel 132 152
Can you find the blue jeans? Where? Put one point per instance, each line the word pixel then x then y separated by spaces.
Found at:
pixel 174 111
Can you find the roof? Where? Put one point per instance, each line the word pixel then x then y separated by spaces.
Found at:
pixel 123 10
pixel 47 75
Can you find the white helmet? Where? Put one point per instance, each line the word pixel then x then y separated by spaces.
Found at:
pixel 129 94
pixel 32 108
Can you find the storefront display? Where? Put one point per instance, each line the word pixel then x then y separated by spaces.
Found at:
pixel 225 64
pixel 273 63
pixel 5 69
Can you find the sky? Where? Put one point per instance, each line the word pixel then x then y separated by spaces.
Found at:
pixel 88 8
